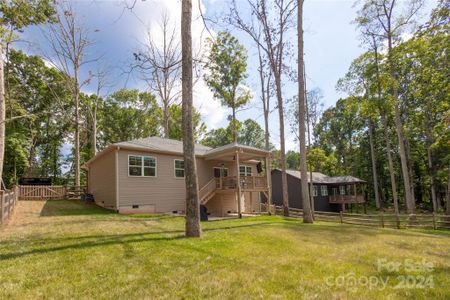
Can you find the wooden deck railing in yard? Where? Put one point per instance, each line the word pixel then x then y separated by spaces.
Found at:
pixel 8 201
pixel 424 221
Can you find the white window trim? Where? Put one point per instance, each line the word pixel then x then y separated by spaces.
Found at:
pixel 324 188
pixel 175 169
pixel 316 191
pixel 246 166
pixel 223 168
pixel 142 166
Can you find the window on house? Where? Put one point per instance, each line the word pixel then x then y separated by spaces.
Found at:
pixel 315 190
pixel 324 190
pixel 179 168
pixel 342 189
pixel 245 170
pixel 141 166
pixel 220 172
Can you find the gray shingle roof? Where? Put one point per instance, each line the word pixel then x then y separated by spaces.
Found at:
pixel 322 178
pixel 162 144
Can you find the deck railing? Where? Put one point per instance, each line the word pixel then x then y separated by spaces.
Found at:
pixel 346 199
pixel 247 182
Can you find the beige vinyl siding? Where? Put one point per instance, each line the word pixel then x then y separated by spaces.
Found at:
pixel 102 180
pixel 165 192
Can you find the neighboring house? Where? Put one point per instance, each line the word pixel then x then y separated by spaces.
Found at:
pixel 329 193
pixel 147 176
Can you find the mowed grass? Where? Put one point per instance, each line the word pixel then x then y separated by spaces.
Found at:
pixel 62 249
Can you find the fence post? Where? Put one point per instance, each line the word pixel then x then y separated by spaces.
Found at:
pixel 340 216
pixel 397 220
pixel 382 220
pixel 434 221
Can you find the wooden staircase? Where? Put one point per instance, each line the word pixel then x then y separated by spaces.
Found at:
pixel 208 191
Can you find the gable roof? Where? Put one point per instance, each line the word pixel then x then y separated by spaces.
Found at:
pixel 170 146
pixel 322 178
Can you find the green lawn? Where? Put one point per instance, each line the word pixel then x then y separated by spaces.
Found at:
pixel 63 249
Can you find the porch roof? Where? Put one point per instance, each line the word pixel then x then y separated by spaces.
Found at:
pixel 228 152
pixel 322 178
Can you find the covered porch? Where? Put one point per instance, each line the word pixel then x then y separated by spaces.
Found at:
pixel 251 176
pixel 347 190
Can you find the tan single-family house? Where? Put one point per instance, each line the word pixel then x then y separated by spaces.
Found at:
pixel 147 176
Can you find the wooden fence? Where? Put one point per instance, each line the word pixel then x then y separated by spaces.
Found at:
pixel 425 221
pixel 8 201
pixel 41 192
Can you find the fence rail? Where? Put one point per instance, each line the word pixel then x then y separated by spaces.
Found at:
pixel 8 201
pixel 41 192
pixel 424 221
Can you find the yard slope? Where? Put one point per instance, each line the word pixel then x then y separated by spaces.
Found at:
pixel 66 249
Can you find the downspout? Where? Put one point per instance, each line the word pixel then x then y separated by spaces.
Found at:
pixel 117 177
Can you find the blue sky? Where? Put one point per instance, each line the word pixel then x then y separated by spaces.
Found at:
pixel 331 43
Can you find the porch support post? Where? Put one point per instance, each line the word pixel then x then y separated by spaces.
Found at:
pixel 269 183
pixel 238 185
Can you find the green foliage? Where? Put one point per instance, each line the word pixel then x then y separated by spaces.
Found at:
pixel 250 133
pixel 226 71
pixel 176 124
pixel 18 14
pixel 37 124
pixel 127 115
pixel 423 85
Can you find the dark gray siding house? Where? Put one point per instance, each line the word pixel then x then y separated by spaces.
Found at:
pixel 330 193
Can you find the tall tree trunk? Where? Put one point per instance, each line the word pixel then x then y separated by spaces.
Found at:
pixel 447 212
pixel 2 116
pixel 410 202
pixel 310 186
pixel 193 228
pixel 234 125
pixel 265 94
pixel 390 161
pixel 307 215
pixel 77 129
pixel 166 109
pixel 436 204
pixel 94 124
pixel 284 184
pixel 384 122
pixel 410 166
pixel 431 170
pixel 374 164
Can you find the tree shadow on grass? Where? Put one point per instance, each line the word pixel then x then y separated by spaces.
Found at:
pixel 107 240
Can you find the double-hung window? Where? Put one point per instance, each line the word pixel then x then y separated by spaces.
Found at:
pixel 315 190
pixel 324 190
pixel 245 170
pixel 179 168
pixel 342 189
pixel 141 166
